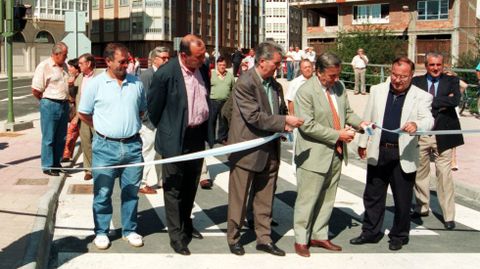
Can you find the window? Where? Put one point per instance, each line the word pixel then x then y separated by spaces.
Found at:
pixel 94 27
pixel 108 3
pixel 432 10
pixel 108 26
pixel 124 2
pixel 124 25
pixel 375 13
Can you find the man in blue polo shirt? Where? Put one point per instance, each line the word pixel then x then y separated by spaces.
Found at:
pixel 113 102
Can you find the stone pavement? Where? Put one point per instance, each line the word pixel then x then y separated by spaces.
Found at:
pixel 28 198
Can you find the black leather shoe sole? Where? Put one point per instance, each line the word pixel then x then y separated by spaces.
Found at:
pixel 51 172
pixel 397 244
pixel 449 225
pixel 271 248
pixel 196 234
pixel 237 249
pixel 360 240
pixel 416 215
pixel 180 248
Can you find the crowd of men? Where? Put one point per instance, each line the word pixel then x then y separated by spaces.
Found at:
pixel 174 108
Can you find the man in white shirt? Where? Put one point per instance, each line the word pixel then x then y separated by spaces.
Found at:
pixel 359 64
pixel 297 57
pixel 290 66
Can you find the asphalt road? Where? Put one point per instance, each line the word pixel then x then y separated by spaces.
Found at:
pixel 23 101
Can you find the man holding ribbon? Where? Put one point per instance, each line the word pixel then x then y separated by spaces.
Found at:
pixel 446 96
pixel 320 148
pixel 392 156
pixel 258 111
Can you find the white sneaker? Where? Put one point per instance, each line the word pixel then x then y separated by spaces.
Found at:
pixel 101 241
pixel 134 239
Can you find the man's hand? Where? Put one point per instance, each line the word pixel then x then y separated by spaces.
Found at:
pixel 362 152
pixel 410 127
pixel 346 134
pixel 37 94
pixel 293 121
pixel 289 128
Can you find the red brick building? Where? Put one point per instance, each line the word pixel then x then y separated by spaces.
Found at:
pixel 447 26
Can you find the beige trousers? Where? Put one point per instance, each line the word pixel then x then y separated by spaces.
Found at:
pixel 360 80
pixel 445 185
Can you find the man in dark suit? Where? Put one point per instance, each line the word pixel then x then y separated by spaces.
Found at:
pixel 178 106
pixel 237 58
pixel 158 57
pixel 446 96
pixel 258 111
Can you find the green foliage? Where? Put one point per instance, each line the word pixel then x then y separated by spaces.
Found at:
pixel 380 45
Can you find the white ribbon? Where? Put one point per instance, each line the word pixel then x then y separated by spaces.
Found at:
pixel 187 157
pixel 437 132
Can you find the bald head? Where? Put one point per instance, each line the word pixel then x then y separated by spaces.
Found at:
pixel 192 51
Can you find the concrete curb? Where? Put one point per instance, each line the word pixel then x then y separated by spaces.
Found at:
pixel 38 245
pixel 467 191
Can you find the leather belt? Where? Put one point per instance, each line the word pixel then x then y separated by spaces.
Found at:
pixel 56 100
pixel 389 145
pixel 121 140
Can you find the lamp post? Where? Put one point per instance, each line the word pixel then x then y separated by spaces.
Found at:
pixel 9 45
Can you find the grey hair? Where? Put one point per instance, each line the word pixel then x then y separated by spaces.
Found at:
pixel 58 47
pixel 326 60
pixel 265 50
pixel 156 51
pixel 432 54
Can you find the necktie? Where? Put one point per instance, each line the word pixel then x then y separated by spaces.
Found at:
pixel 432 88
pixel 336 122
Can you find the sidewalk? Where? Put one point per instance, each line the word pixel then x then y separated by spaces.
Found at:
pixel 3 76
pixel 27 201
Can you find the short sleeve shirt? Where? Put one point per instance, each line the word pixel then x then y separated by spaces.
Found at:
pixel 115 108
pixel 51 80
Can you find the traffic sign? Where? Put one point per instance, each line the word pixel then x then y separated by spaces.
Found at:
pixel 84 44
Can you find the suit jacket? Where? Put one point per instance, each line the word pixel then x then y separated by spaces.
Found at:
pixel 253 118
pixel 315 145
pixel 416 108
pixel 146 78
pixel 443 109
pixel 168 108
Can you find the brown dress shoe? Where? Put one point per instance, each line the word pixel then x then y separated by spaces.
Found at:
pixel 302 250
pixel 87 176
pixel 326 244
pixel 147 190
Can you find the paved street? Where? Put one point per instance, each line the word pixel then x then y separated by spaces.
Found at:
pixel 24 102
pixel 430 244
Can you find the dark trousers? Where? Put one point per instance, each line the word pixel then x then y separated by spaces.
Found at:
pixel 180 188
pixel 388 171
pixel 216 116
pixel 236 66
pixel 290 69
pixel 263 188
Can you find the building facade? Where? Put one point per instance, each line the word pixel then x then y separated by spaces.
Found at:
pixel 447 26
pixel 145 24
pixel 278 14
pixel 45 26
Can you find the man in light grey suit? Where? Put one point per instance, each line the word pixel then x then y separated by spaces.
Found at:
pixel 158 56
pixel 393 158
pixel 320 148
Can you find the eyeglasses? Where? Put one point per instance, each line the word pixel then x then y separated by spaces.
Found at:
pixel 164 57
pixel 400 77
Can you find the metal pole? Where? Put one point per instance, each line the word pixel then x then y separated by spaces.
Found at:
pixel 9 45
pixel 216 33
pixel 75 31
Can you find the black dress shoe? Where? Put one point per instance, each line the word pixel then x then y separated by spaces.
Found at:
pixel 396 244
pixel 271 248
pixel 51 172
pixel 237 249
pixel 417 215
pixel 196 234
pixel 365 240
pixel 180 248
pixel 449 225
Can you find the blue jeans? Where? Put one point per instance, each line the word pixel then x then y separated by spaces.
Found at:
pixel 106 153
pixel 290 70
pixel 53 123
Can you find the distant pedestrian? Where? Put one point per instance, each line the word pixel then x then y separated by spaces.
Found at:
pixel 50 86
pixel 158 57
pixel 297 57
pixel 237 57
pixel 86 62
pixel 114 102
pixel 73 130
pixel 359 64
pixel 290 64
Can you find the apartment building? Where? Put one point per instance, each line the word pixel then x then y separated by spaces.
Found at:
pixel 448 26
pixel 45 26
pixel 278 14
pixel 145 24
